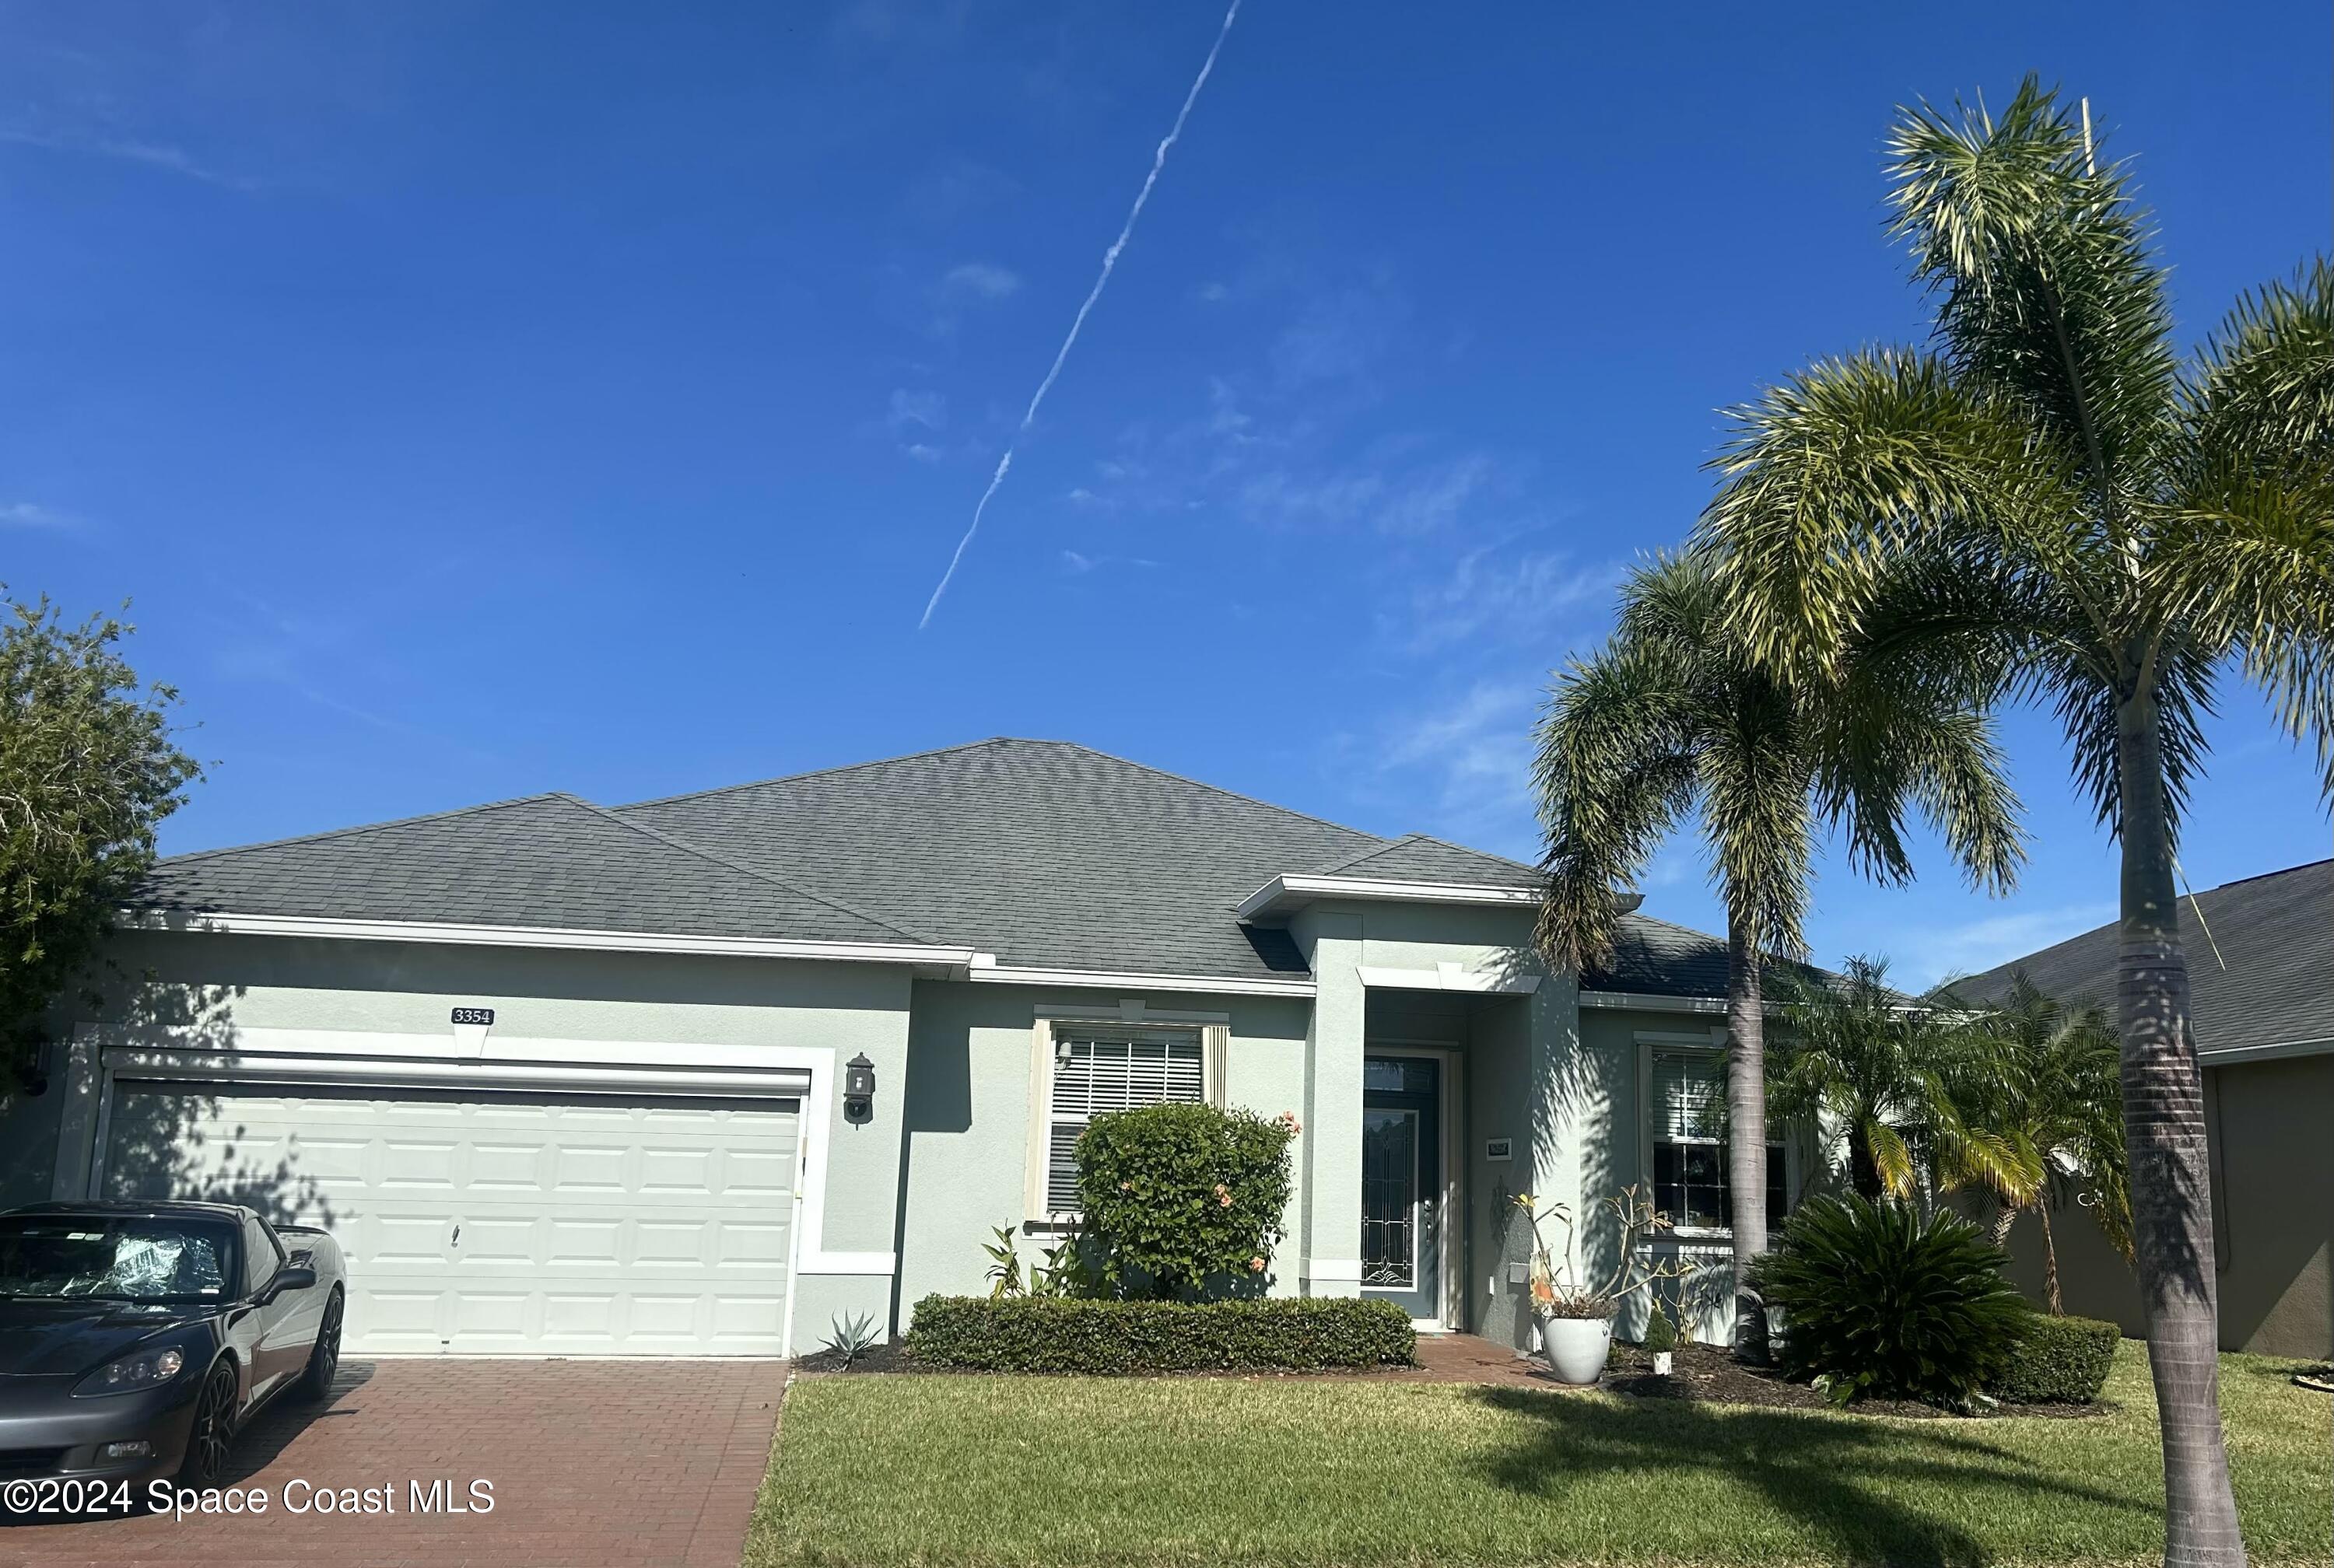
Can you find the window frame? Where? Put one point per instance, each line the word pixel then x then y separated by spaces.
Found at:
pixel 1212 1031
pixel 1712 1043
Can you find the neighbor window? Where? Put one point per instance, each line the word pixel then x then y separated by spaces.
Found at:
pixel 1687 1113
pixel 1097 1068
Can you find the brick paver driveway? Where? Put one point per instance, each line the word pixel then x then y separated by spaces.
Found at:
pixel 593 1463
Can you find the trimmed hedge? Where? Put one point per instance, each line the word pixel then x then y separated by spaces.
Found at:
pixel 1048 1334
pixel 2057 1361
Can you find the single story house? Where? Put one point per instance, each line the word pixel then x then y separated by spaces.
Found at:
pixel 708 1075
pixel 2261 970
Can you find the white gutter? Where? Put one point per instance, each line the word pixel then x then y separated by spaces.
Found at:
pixel 991 974
pixel 2236 1055
pixel 902 952
pixel 1283 892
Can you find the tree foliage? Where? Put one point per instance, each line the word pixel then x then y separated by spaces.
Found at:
pixel 1183 1201
pixel 2049 496
pixel 88 768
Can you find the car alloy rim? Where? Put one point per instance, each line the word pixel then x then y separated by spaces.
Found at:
pixel 328 1343
pixel 209 1437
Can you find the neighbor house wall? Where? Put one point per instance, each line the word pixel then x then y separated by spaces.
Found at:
pixel 202 989
pixel 2272 1217
pixel 968 1107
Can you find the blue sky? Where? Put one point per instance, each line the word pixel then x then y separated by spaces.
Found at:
pixel 477 400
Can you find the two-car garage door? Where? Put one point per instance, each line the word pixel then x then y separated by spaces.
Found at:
pixel 480 1223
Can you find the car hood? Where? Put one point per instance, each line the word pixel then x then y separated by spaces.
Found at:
pixel 68 1337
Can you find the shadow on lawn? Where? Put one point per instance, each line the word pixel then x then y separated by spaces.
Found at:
pixel 1829 1475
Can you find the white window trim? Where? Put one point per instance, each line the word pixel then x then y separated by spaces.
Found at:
pixel 1215 1049
pixel 1713 1044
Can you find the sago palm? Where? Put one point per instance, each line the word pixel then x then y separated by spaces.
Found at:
pixel 1674 719
pixel 2050 1088
pixel 2048 494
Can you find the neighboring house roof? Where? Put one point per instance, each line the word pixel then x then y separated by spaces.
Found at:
pixel 547 861
pixel 1048 855
pixel 2260 962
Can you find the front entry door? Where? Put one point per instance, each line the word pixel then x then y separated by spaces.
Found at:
pixel 1402 1182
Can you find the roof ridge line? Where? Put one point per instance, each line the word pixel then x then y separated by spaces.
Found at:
pixel 363 828
pixel 1472 850
pixel 1019 740
pixel 1350 862
pixel 807 774
pixel 702 853
pixel 1382 842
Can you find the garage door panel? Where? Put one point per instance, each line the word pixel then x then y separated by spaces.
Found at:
pixel 505 1224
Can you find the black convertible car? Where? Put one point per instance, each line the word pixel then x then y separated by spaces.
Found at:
pixel 136 1338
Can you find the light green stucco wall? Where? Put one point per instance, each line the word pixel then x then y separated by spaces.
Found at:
pixel 193 989
pixel 967 1109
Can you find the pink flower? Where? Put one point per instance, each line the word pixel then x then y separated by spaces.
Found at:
pixel 1127 1186
pixel 1288 1119
pixel 1224 1196
pixel 1255 1265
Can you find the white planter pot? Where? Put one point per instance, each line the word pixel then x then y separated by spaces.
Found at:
pixel 1576 1348
pixel 1661 1363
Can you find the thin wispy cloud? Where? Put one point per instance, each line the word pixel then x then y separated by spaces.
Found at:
pixel 1922 958
pixel 1472 755
pixel 1109 264
pixel 981 279
pixel 1496 592
pixel 152 154
pixel 31 515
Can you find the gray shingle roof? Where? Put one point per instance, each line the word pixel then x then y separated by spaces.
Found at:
pixel 2274 934
pixel 550 861
pixel 1656 959
pixel 1048 854
pixel 1415 858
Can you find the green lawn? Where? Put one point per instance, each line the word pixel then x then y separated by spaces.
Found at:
pixel 874 1470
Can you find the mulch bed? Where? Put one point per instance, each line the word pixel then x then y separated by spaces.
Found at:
pixel 1708 1374
pixel 885 1358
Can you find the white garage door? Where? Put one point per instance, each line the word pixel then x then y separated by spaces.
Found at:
pixel 479 1223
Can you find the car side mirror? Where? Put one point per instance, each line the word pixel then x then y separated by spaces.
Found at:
pixel 298 1276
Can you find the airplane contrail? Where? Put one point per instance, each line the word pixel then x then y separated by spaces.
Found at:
pixel 1109 260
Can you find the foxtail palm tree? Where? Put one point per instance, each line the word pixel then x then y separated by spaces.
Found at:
pixel 1884 1075
pixel 1674 718
pixel 2047 494
pixel 2048 1084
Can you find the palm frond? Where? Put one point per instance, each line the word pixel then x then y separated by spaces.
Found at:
pixel 2049 294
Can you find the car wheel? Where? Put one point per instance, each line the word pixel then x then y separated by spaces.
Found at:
pixel 324 1357
pixel 213 1433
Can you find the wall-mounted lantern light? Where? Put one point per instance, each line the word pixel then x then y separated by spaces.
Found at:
pixel 858 1089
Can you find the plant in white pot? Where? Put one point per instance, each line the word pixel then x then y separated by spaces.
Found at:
pixel 1575 1316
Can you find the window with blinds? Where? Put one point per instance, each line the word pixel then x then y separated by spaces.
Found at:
pixel 1098 1070
pixel 1686 1112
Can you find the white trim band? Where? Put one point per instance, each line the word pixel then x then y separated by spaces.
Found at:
pixel 1449 977
pixel 1288 892
pixel 230 924
pixel 1336 1270
pixel 1101 979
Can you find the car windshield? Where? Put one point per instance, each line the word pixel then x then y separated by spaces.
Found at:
pixel 114 1257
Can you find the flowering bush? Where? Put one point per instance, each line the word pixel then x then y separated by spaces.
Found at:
pixel 1184 1202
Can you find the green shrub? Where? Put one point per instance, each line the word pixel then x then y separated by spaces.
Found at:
pixel 1661 1334
pixel 1043 1334
pixel 1876 1301
pixel 2057 1361
pixel 1183 1201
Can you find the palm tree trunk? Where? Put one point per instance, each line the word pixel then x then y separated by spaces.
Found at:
pixel 2049 1263
pixel 1862 1170
pixel 1746 1135
pixel 2171 1191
